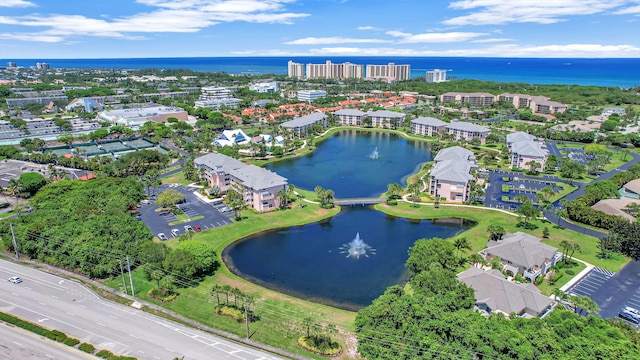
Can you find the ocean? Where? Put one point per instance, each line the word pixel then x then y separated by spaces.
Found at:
pixel 600 72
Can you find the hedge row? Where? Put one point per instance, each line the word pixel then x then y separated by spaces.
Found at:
pixel 59 336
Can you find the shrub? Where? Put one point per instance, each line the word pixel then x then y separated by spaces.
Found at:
pixel 570 272
pixel 320 344
pixel 539 280
pixel 229 311
pixel 392 202
pixel 71 341
pixel 555 277
pixel 162 294
pixel 505 188
pixel 105 354
pixel 88 348
pixel 519 278
pixel 57 336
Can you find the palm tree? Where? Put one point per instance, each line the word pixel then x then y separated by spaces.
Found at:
pixel 14 187
pixel 476 259
pixel 461 243
pixel 559 294
pixel 282 198
pixel 167 282
pixel 157 275
pixel 564 247
pixel 414 190
pixel 573 248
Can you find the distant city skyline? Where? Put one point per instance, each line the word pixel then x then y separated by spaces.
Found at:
pixel 203 28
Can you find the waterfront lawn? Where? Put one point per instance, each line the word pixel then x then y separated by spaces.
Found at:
pixel 477 236
pixel 276 311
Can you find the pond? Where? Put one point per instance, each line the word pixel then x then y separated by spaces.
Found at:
pixel 349 260
pixel 321 262
pixel 356 163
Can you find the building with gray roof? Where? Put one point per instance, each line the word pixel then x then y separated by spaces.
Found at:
pixel 300 125
pixel 451 176
pixel 467 131
pixel 258 186
pixel 494 293
pixel 386 119
pixel 351 116
pixel 523 254
pixel 427 126
pixel 525 151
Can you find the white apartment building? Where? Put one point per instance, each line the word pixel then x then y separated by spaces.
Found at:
pixel 436 76
pixel 265 87
pixel 389 71
pixel 215 97
pixel 295 70
pixel 330 70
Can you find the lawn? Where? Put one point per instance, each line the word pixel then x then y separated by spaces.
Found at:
pixel 277 312
pixel 484 217
pixel 177 178
pixel 566 190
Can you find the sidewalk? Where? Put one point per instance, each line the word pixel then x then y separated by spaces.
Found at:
pixel 578 277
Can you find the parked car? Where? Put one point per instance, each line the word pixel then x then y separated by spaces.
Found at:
pixel 162 236
pixel 175 232
pixel 196 228
pixel 188 228
pixel 15 280
pixel 630 314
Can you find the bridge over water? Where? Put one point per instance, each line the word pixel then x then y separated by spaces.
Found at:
pixel 363 201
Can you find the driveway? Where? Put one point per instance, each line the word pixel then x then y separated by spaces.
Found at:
pixel 158 222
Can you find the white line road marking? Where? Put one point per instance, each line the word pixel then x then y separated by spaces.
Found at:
pixel 82 306
pixel 17 343
pixel 101 325
pixel 169 350
pixel 14 294
pixel 41 303
pixel 53 296
pixel 70 313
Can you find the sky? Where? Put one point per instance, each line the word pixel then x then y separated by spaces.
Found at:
pixel 47 29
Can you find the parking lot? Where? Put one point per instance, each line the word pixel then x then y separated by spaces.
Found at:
pixel 612 292
pixel 518 184
pixel 214 215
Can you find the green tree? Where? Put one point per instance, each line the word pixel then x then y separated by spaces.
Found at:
pixel 572 170
pixel 31 182
pixel 496 232
pixel 394 191
pixel 169 198
pixel 426 253
pixel 460 244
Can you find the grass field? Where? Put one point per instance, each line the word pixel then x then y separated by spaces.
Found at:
pixel 177 178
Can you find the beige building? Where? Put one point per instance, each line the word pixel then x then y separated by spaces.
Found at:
pixel 524 148
pixel 386 119
pixel 537 104
pixel 330 70
pixel 258 186
pixel 427 126
pixel 295 70
pixel 467 131
pixel 389 71
pixel 475 99
pixel 351 117
pixel 451 174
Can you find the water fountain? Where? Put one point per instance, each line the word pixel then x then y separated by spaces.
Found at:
pixel 357 248
pixel 374 155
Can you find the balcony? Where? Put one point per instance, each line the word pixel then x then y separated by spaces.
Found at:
pixel 267 195
pixel 513 269
pixel 532 274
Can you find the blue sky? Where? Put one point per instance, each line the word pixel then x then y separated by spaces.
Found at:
pixel 176 28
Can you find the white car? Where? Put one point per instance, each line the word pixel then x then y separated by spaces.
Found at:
pixel 162 236
pixel 188 228
pixel 175 232
pixel 15 280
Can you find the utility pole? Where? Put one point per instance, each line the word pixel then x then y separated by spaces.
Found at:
pixel 246 316
pixel 124 283
pixel 15 244
pixel 133 291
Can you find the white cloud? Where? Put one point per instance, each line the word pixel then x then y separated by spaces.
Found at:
pixel 495 12
pixel 32 37
pixel 447 37
pixel 506 50
pixel 491 40
pixel 333 40
pixel 170 16
pixel 367 28
pixel 16 3
pixel 634 10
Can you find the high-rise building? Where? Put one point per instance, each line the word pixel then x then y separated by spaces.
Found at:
pixel 330 70
pixel 11 64
pixel 295 70
pixel 436 76
pixel 42 66
pixel 390 71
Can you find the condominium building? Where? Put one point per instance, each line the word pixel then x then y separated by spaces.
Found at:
pixel 467 131
pixel 436 76
pixel 537 104
pixel 265 87
pixel 259 187
pixel 41 100
pixel 386 119
pixel 330 70
pixel 351 117
pixel 389 71
pixel 310 95
pixel 295 70
pixel 451 175
pixel 215 97
pixel 42 66
pixel 300 125
pixel 474 99
pixel 427 126
pixel 524 149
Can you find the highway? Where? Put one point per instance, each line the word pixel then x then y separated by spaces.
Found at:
pixel 67 306
pixel 16 343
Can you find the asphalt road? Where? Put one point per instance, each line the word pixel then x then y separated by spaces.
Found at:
pixel 67 306
pixel 16 343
